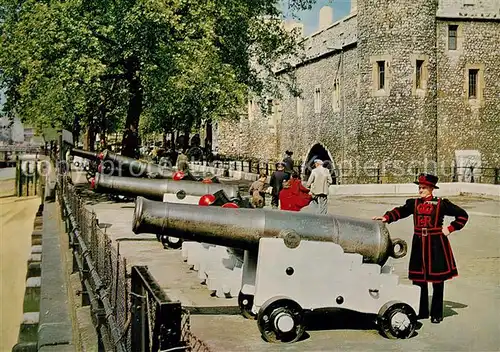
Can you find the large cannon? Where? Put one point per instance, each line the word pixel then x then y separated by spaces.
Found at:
pixel 156 188
pixel 85 154
pixel 135 167
pixel 119 165
pixel 243 228
pixel 295 262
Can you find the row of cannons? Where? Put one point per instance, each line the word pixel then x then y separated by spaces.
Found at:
pixel 279 264
pixel 113 164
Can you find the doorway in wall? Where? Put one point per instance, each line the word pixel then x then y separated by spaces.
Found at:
pixel 318 151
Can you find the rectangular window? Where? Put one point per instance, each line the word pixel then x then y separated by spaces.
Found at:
pixel 336 95
pixel 419 74
pixel 381 74
pixel 250 109
pixel 452 37
pixel 473 83
pixel 270 106
pixel 317 100
pixel 299 107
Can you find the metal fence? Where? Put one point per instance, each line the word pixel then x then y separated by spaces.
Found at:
pixel 101 268
pixel 129 310
pixel 361 175
pixel 28 178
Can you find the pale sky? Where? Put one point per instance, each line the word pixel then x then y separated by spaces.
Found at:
pixel 341 8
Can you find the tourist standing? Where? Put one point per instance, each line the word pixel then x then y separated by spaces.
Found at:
pixel 288 162
pixel 319 182
pixel 276 183
pixel 258 192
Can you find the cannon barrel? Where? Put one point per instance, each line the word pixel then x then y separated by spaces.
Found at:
pixel 84 154
pixel 155 188
pixel 243 228
pixel 136 168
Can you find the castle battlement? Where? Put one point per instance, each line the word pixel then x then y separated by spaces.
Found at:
pixel 469 9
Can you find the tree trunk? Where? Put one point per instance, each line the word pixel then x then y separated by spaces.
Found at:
pixel 186 139
pixel 130 141
pixel 76 129
pixel 208 138
pixel 90 138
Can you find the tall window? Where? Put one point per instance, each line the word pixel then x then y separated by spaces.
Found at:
pixel 270 106
pixel 300 108
pixel 452 37
pixel 317 100
pixel 419 74
pixel 250 109
pixel 381 74
pixel 473 83
pixel 336 95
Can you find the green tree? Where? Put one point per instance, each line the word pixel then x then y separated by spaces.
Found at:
pixel 104 64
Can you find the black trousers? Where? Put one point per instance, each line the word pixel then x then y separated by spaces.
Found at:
pixel 275 200
pixel 437 299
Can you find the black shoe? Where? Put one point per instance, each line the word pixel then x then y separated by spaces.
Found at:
pixel 435 320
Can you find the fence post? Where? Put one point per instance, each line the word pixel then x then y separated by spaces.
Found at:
pixel 497 175
pixel 139 331
pixel 472 174
pixel 28 179
pixel 378 175
pixel 37 179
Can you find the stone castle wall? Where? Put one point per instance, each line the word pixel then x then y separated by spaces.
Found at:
pixel 465 123
pixel 404 121
pixel 398 121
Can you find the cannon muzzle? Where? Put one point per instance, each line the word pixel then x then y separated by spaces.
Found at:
pixel 84 154
pixel 156 188
pixel 243 228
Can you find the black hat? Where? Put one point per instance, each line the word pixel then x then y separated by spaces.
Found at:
pixel 289 153
pixel 427 179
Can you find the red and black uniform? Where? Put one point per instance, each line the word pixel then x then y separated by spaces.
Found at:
pixel 431 258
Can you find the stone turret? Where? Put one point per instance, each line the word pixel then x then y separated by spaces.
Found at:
pixel 397 63
pixel 325 17
pixel 354 6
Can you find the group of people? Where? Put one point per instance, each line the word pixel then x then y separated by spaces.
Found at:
pixel 287 190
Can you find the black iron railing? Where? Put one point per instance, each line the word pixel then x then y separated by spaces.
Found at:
pixel 471 174
pixel 102 271
pixel 129 310
pixel 154 313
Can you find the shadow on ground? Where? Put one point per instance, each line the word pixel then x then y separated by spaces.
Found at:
pixel 449 308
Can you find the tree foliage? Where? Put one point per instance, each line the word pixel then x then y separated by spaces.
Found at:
pixel 106 63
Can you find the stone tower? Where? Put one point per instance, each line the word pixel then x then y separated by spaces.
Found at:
pixel 397 85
